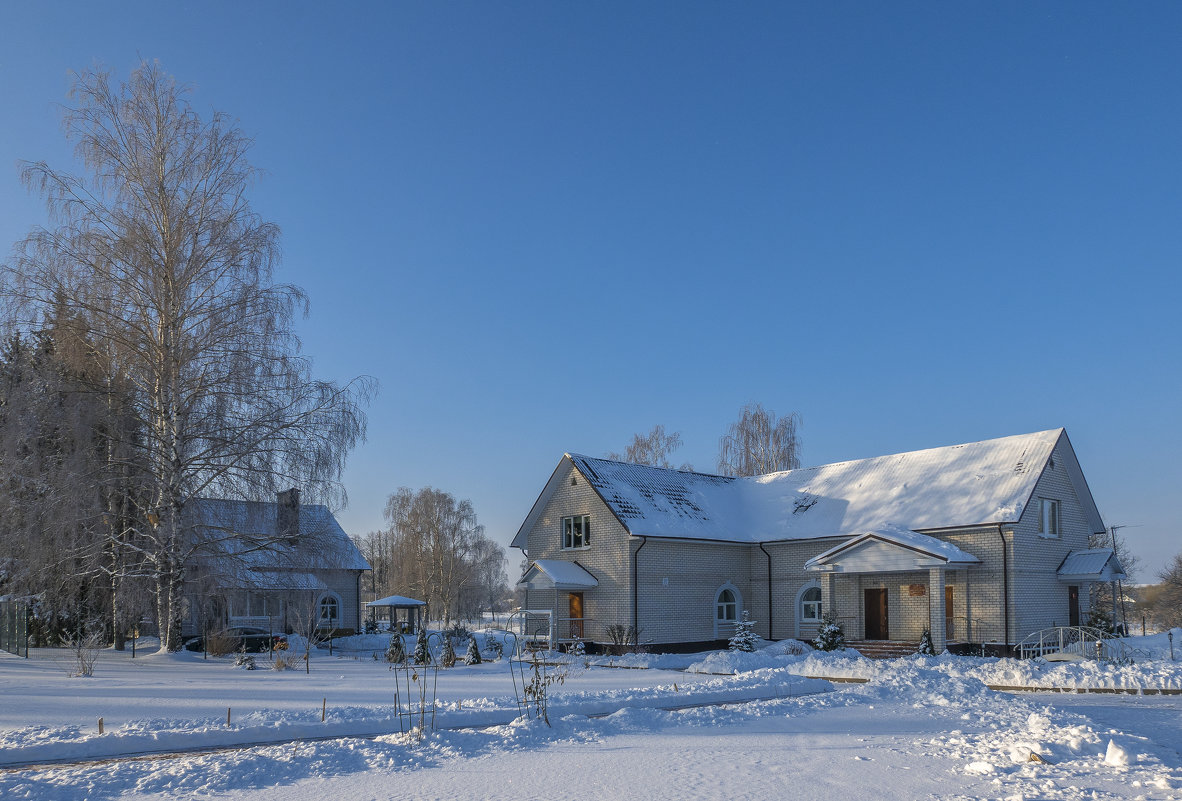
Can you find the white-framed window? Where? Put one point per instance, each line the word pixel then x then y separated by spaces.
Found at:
pixel 726 607
pixel 330 610
pixel 1049 521
pixel 576 532
pixel 810 605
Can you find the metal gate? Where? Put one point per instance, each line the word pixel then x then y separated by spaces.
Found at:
pixel 14 628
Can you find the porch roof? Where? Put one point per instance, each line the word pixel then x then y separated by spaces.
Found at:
pixel 890 549
pixel 1094 564
pixel 557 574
pixel 264 580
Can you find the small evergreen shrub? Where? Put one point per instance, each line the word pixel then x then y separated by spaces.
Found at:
pixel 396 650
pixel 422 655
pixel 472 655
pixel 244 660
pixel 447 654
pixel 744 638
pixel 831 637
pixel 925 644
pixel 493 646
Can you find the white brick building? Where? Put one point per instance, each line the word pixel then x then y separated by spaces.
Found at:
pixel 968 541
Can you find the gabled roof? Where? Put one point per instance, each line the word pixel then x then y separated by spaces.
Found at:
pixel 558 573
pixel 976 483
pixel 244 535
pixel 1094 564
pixel 921 549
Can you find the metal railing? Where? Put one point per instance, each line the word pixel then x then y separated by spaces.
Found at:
pixel 1081 642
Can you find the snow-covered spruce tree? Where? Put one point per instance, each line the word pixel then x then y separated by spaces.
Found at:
pixel 447 653
pixel 472 655
pixel 422 652
pixel 396 651
pixel 925 644
pixel 831 637
pixel 744 638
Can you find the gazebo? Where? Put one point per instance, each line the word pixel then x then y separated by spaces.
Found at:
pixel 405 614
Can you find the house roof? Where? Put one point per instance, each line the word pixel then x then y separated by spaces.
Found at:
pixel 559 573
pixel 975 483
pixel 1094 564
pixel 242 535
pixel 933 552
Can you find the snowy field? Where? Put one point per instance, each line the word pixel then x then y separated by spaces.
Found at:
pixel 918 728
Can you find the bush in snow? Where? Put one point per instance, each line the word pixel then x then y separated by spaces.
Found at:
pixel 396 651
pixel 744 638
pixel 925 644
pixel 244 661
pixel 493 646
pixel 831 637
pixel 447 654
pixel 577 648
pixel 84 650
pixel 472 655
pixel 422 652
pixel 457 633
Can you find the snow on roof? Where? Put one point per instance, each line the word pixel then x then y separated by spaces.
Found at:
pixel 561 573
pixel 272 580
pixel 960 485
pixel 944 551
pixel 1099 564
pixel 396 600
pixel 246 532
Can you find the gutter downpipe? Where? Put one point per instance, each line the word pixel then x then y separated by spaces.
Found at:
pixel 636 589
pixel 1005 583
pixel 769 591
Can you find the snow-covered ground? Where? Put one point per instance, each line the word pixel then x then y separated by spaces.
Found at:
pixel 919 728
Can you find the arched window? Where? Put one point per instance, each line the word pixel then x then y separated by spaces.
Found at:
pixel 727 607
pixel 727 602
pixel 330 610
pixel 808 608
pixel 810 605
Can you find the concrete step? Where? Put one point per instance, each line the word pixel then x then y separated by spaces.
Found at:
pixel 883 649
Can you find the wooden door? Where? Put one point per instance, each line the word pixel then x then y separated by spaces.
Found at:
pixel 1073 606
pixel 575 607
pixel 949 622
pixel 876 614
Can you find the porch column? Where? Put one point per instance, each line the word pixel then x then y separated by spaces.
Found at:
pixel 828 604
pixel 936 615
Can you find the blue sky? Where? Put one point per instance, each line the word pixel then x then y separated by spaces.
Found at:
pixel 546 226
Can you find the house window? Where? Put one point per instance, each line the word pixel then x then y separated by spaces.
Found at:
pixel 330 610
pixel 810 605
pixel 726 607
pixel 1048 518
pixel 576 531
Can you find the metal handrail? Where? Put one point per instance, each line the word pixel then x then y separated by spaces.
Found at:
pixel 1084 641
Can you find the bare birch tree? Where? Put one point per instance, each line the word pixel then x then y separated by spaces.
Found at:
pixel 759 443
pixel 652 449
pixel 158 254
pixel 435 550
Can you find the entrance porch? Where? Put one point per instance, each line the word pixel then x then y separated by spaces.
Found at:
pixel 888 585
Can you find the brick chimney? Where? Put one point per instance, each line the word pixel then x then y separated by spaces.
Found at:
pixel 288 504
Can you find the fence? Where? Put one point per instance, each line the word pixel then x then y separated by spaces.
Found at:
pixel 14 628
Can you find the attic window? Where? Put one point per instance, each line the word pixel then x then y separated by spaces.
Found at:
pixel 1049 524
pixel 573 480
